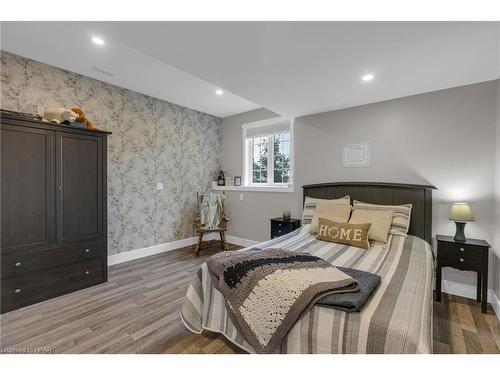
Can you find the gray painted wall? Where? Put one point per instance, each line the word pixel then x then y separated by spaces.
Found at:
pixel 152 141
pixel 496 248
pixel 445 138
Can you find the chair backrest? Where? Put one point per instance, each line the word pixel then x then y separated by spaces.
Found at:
pixel 211 214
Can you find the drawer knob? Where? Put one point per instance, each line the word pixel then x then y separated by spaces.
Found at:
pixel 462 260
pixel 17 264
pixel 461 249
pixel 86 251
pixel 87 272
pixel 17 291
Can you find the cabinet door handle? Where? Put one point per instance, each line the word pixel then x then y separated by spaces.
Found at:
pixel 17 291
pixel 461 249
pixel 87 272
pixel 17 264
pixel 86 251
pixel 462 260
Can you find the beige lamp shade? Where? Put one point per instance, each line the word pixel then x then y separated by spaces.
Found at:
pixel 461 212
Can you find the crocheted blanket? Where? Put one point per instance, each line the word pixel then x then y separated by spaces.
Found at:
pixel 267 291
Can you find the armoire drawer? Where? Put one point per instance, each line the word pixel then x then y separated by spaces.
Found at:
pixel 22 263
pixel 25 290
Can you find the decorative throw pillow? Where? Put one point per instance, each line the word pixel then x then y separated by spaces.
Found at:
pixel 345 233
pixel 400 219
pixel 332 211
pixel 380 221
pixel 310 206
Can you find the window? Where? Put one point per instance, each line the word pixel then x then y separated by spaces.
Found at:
pixel 281 149
pixel 268 153
pixel 260 158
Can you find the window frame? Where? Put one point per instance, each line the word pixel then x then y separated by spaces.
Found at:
pixel 248 153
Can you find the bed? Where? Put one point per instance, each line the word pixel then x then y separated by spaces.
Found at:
pixel 397 318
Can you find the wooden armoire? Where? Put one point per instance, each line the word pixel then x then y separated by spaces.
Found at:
pixel 53 210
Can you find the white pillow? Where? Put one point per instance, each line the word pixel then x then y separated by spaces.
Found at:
pixel 400 220
pixel 337 212
pixel 310 206
pixel 380 221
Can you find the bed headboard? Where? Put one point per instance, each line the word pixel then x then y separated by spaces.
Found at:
pixel 420 196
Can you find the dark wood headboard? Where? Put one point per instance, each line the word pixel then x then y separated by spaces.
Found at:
pixel 420 196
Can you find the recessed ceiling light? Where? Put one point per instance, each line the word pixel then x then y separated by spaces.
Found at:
pixel 219 92
pixel 367 77
pixel 97 40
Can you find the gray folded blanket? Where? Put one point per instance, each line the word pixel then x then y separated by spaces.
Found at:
pixel 266 292
pixel 353 301
pixel 350 301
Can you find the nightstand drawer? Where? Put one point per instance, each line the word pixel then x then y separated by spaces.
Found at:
pixel 463 249
pixel 461 261
pixel 280 227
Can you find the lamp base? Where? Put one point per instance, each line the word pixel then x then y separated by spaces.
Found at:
pixel 460 235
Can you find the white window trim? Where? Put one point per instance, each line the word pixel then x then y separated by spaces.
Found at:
pixel 246 160
pixel 266 189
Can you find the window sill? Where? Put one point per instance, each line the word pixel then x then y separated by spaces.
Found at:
pixel 266 189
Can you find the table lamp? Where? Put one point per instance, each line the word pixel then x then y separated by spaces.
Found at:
pixel 461 213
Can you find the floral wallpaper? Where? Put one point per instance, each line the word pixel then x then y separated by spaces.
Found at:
pixel 152 141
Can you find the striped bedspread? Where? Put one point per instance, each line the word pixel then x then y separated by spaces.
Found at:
pixel 397 319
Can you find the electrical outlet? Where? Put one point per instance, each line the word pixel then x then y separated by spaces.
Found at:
pixel 241 196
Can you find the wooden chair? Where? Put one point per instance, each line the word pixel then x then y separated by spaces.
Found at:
pixel 221 228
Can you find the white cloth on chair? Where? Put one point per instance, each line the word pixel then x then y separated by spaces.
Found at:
pixel 211 210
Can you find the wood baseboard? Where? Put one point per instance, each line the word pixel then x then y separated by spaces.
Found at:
pixel 169 246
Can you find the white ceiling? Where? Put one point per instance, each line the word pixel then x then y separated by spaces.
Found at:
pixel 291 68
pixel 69 46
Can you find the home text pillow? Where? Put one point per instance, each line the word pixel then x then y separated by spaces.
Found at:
pixel 344 233
pixel 400 219
pixel 310 206
pixel 337 212
pixel 380 221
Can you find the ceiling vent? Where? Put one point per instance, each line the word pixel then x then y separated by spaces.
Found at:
pixel 103 71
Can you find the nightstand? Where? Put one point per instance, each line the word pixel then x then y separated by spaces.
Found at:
pixel 471 255
pixel 279 226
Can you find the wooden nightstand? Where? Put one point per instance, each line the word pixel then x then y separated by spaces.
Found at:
pixel 279 227
pixel 471 255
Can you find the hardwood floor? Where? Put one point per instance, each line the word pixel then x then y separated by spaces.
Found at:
pixel 137 311
pixel 460 327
